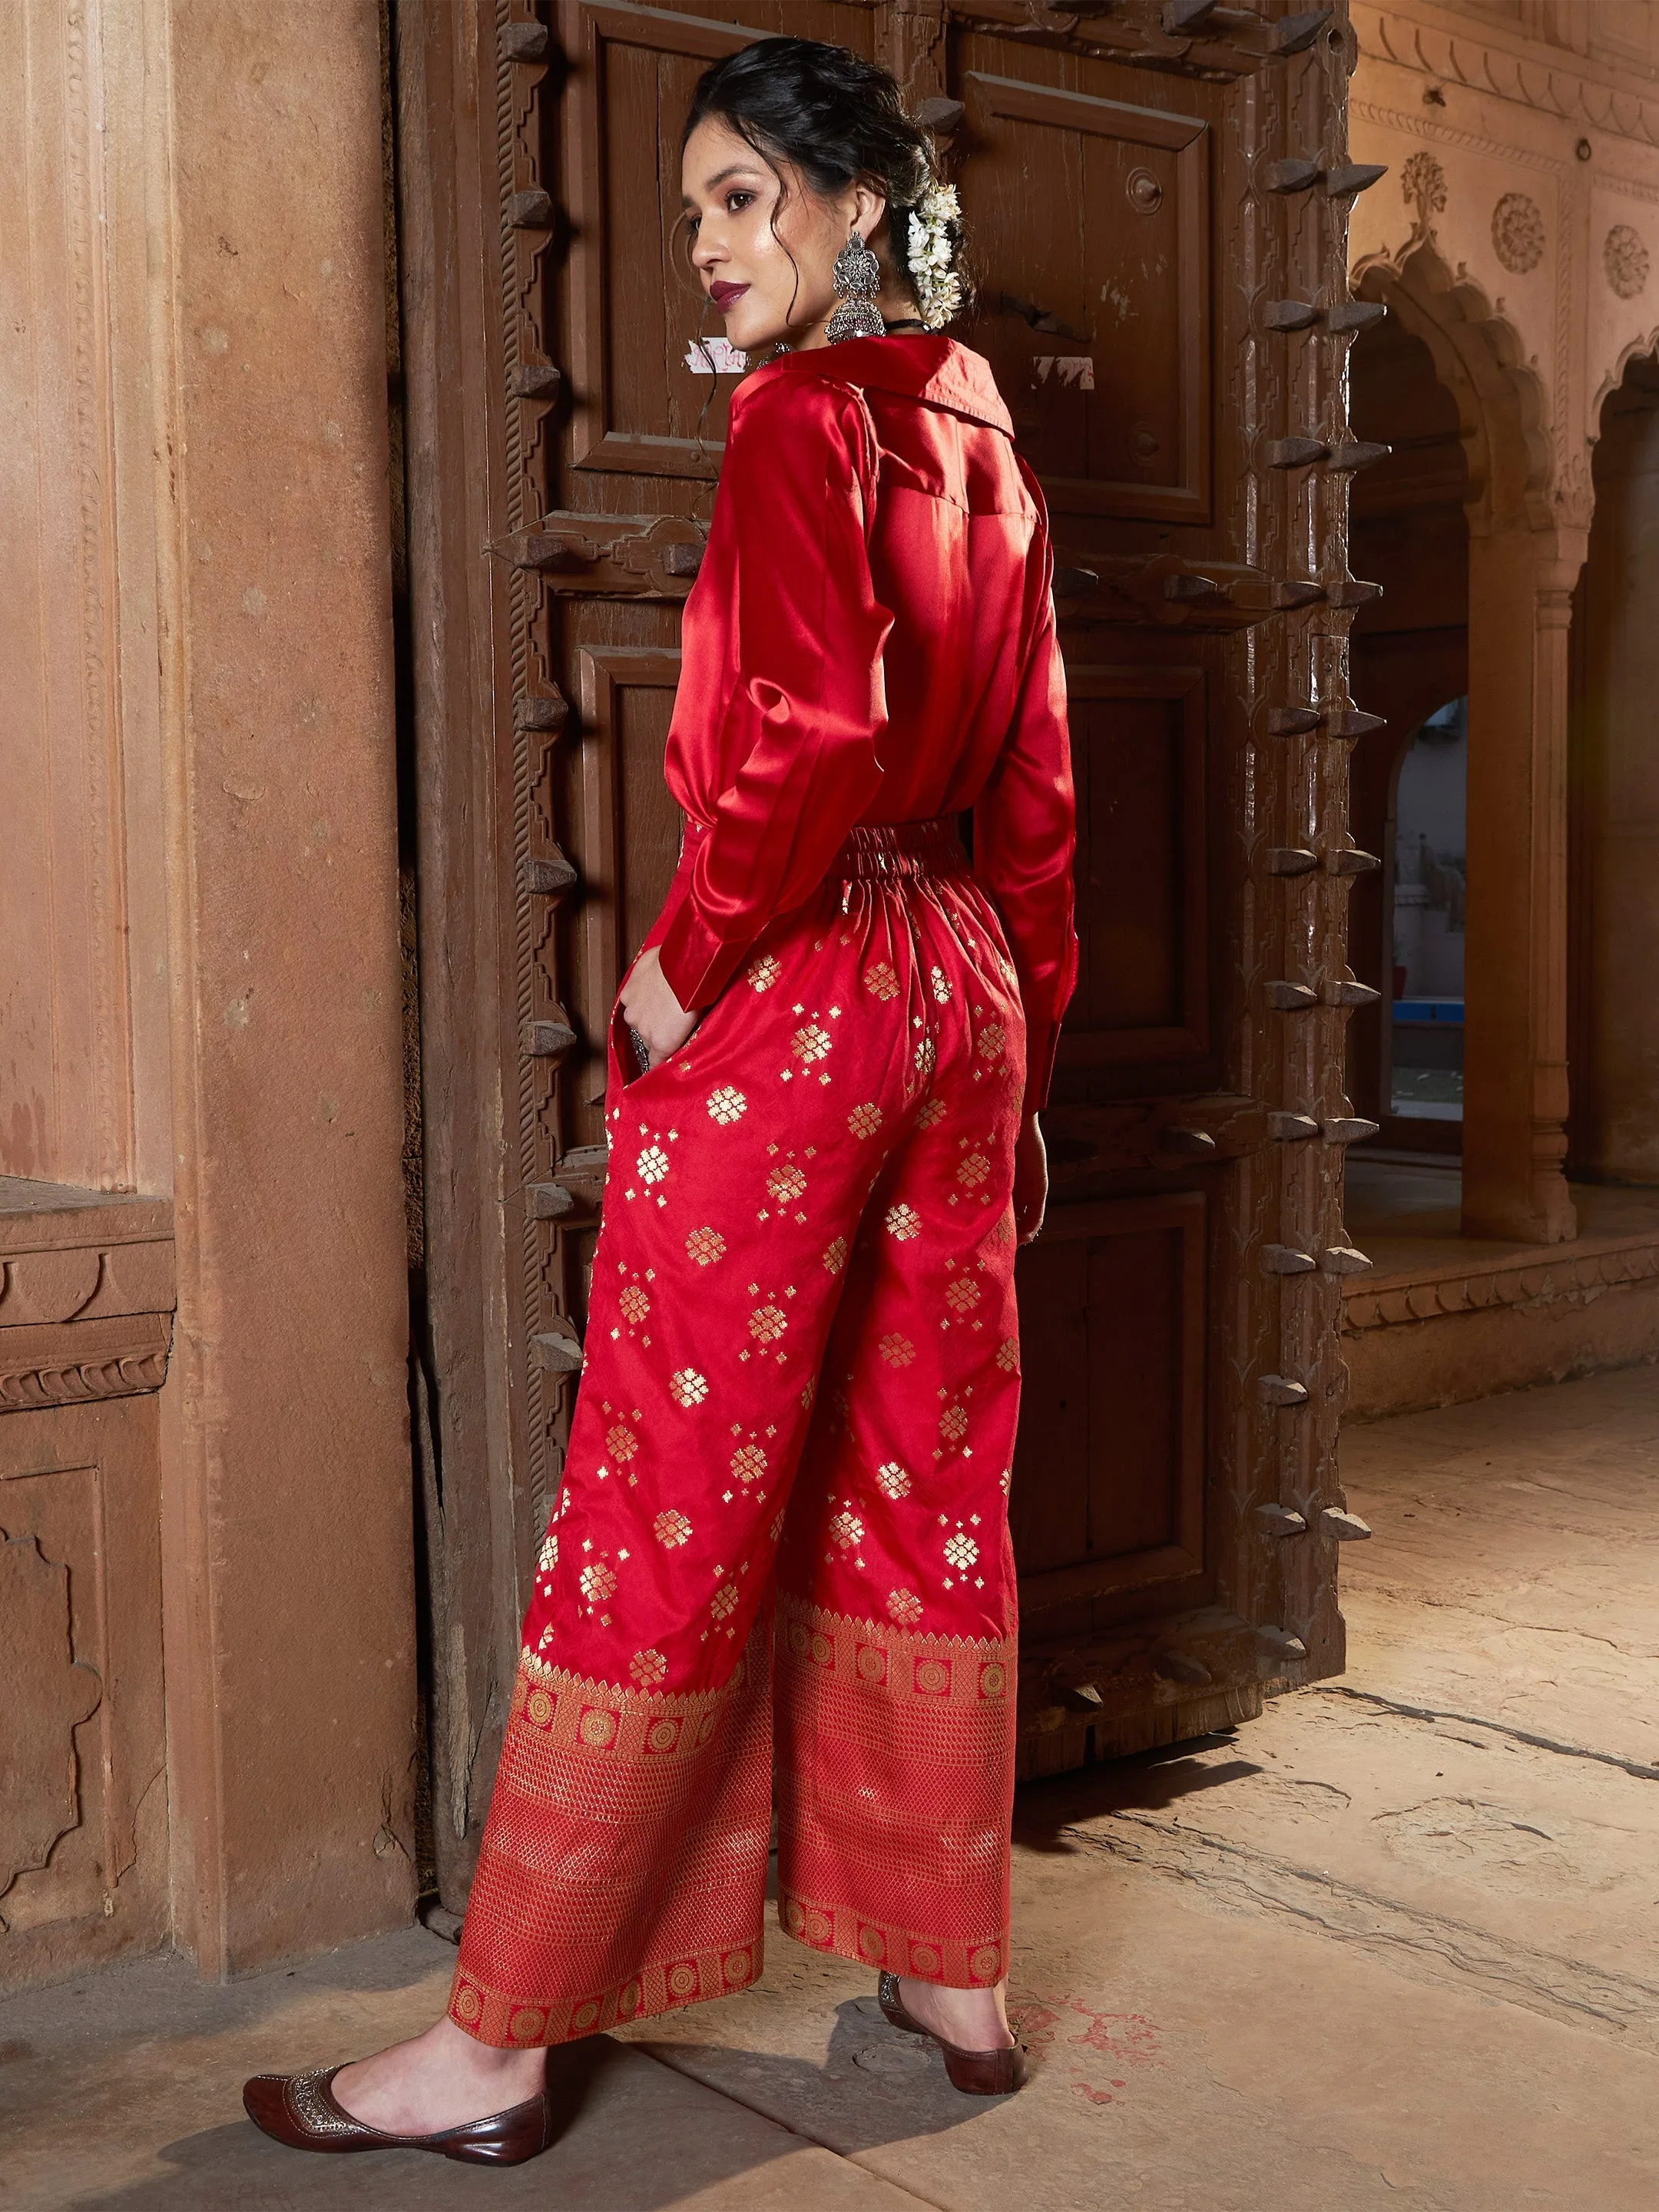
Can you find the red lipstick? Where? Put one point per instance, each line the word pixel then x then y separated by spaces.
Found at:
pixel 724 295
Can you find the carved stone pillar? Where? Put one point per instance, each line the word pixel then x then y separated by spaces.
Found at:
pixel 288 1565
pixel 1614 1010
pixel 1514 1083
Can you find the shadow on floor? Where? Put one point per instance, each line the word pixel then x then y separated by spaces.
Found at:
pixel 876 2085
pixel 1144 1782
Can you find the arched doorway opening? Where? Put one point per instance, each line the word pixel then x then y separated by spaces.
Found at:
pixel 1425 881
pixel 1408 530
pixel 1485 579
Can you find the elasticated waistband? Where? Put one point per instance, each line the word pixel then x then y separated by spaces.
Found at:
pixel 930 845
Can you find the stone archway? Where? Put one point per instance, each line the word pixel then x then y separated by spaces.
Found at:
pixel 1527 544
pixel 1408 531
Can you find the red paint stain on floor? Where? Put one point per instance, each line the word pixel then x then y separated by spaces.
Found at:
pixel 1060 2030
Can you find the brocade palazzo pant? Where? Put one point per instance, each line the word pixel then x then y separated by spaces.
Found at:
pixel 783 1526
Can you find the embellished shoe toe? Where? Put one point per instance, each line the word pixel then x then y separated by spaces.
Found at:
pixel 976 2073
pixel 301 2110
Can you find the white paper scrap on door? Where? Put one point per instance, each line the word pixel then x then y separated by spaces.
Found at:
pixel 715 357
pixel 1077 369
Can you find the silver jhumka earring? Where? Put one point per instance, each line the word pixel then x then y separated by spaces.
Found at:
pixel 857 277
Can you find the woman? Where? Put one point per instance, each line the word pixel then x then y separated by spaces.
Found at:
pixel 801 1374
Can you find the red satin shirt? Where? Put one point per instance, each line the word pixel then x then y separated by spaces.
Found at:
pixel 870 638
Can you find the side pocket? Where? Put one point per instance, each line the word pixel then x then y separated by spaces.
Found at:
pixel 996 962
pixel 625 1067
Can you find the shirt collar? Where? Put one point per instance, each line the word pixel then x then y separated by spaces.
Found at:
pixel 928 366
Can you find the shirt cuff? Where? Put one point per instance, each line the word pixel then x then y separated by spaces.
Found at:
pixel 695 963
pixel 1041 1048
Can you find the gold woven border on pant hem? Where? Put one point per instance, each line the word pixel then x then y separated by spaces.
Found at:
pixel 956 1962
pixel 516 2022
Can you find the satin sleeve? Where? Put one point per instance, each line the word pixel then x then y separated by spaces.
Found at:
pixel 1025 836
pixel 808 706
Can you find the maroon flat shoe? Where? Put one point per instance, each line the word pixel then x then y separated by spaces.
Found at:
pixel 976 2073
pixel 301 2110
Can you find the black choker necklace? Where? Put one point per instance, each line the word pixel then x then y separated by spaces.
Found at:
pixel 901 323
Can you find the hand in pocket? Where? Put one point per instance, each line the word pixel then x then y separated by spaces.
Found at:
pixel 650 1007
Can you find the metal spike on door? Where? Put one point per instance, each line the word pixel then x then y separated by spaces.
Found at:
pixel 1354 315
pixel 535 379
pixel 1285 1260
pixel 546 1040
pixel 1294 720
pixel 1357 454
pixel 525 42
pixel 1294 34
pixel 541 710
pixel 1290 1128
pixel 1294 453
pixel 1345 1260
pixel 1353 722
pixel 556 1350
pixel 1281 1644
pixel 547 1202
pixel 1182 1143
pixel 1294 174
pixel 1346 1528
pixel 1280 1390
pixel 1353 177
pixel 549 875
pixel 1281 1521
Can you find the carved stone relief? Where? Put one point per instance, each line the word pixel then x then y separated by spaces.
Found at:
pixel 1518 232
pixel 92 1359
pixel 86 1294
pixel 1454 109
pixel 1479 56
pixel 1423 186
pixel 1624 259
pixel 48 1696
pixel 83 1802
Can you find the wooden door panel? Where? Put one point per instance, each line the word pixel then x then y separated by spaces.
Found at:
pixel 1093 216
pixel 625 827
pixel 1139 749
pixel 1109 1471
pixel 639 405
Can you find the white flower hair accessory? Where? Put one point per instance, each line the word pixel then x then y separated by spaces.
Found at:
pixel 929 251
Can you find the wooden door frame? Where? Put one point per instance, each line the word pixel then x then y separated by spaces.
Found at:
pixel 459 121
pixel 478 196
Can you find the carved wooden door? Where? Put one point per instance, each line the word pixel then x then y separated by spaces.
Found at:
pixel 1159 215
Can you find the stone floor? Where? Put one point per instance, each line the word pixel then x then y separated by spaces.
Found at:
pixel 1396 1944
pixel 1408 1212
